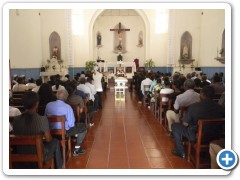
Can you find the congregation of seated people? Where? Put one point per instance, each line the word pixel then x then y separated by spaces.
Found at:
pixel 54 98
pixel 191 97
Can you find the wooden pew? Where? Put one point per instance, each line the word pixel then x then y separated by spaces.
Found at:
pixel 38 157
pixel 208 130
pixel 61 133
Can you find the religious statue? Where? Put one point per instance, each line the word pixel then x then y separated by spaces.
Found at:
pixel 185 52
pixel 120 38
pixel 55 52
pixel 119 43
pixel 99 39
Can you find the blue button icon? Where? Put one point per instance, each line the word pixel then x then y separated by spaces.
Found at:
pixel 227 159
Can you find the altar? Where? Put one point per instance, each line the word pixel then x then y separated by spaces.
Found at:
pixel 46 75
pixel 112 67
pixel 54 67
pixel 120 86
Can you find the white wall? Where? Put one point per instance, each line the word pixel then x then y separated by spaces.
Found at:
pixel 212 26
pixel 187 20
pixel 53 20
pixel 25 39
pixel 158 43
pixel 29 37
pixel 105 23
pixel 81 47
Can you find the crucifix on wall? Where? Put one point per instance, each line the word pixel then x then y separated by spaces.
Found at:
pixel 120 38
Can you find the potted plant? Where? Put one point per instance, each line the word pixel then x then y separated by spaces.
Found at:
pixel 89 65
pixel 149 63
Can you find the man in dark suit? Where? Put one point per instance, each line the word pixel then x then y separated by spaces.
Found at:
pixel 205 109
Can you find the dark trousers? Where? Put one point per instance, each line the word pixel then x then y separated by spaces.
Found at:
pixel 96 103
pixel 91 110
pixel 99 100
pixel 52 148
pixel 79 129
pixel 180 131
pixel 140 95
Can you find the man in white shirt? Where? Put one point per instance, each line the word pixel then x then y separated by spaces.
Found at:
pixel 20 86
pixel 38 83
pixel 97 82
pixel 166 90
pixel 31 83
pixel 94 92
pixel 146 81
pixel 86 89
pixel 183 100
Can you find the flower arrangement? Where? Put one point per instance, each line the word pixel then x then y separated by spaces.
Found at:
pixel 90 65
pixel 120 72
pixel 46 66
pixel 54 67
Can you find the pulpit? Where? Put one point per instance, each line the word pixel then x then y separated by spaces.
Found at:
pixel 120 86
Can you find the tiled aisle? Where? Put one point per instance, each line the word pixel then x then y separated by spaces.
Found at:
pixel 126 135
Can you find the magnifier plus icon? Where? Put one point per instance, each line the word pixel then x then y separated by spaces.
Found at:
pixel 227 159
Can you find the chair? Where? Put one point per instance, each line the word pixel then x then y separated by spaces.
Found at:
pixel 164 104
pixel 27 140
pixel 16 102
pixel 146 89
pixel 78 113
pixel 208 130
pixel 153 105
pixel 18 94
pixel 66 151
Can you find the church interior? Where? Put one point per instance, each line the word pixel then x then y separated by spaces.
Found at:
pixel 130 129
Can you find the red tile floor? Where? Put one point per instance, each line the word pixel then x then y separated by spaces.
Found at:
pixel 126 135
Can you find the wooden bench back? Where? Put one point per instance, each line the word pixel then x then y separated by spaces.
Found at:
pixel 208 130
pixel 27 140
pixel 66 150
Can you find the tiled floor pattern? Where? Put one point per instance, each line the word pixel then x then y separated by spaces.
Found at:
pixel 126 135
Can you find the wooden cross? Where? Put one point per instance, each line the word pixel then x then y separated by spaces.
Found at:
pixel 119 30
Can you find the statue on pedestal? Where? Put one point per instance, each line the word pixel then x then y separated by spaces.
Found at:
pixel 185 52
pixel 55 52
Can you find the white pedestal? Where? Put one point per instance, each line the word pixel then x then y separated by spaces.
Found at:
pixel 185 71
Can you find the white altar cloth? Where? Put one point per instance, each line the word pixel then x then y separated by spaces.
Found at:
pixel 120 86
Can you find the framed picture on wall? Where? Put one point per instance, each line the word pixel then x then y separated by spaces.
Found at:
pixel 111 70
pixel 141 69
pixel 128 69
